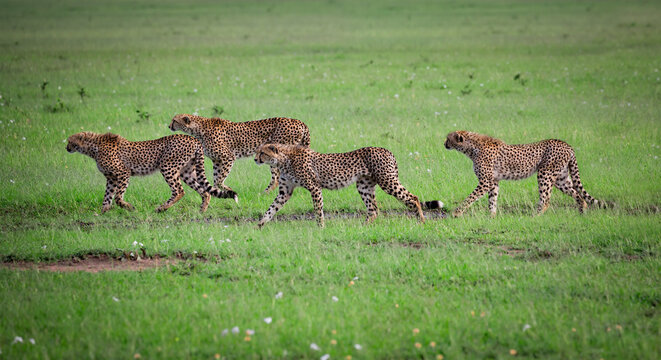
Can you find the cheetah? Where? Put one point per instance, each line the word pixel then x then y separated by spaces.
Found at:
pixel 225 141
pixel 493 160
pixel 369 166
pixel 118 159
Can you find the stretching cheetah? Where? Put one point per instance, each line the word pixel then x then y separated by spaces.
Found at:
pixel 225 141
pixel 118 159
pixel 301 166
pixel 493 160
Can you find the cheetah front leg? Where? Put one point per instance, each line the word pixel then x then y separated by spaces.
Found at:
pixel 493 199
pixel 275 175
pixel 110 191
pixel 318 202
pixel 221 169
pixel 285 191
pixel 479 191
pixel 122 182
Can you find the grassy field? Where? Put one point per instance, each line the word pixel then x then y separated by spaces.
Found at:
pixel 395 74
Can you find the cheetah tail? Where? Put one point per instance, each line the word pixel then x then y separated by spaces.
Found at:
pixel 576 180
pixel 222 194
pixel 431 205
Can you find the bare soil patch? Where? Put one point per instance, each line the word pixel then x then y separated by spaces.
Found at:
pixel 92 264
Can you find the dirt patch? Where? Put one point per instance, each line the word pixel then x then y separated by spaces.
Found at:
pixel 92 264
pixel 511 251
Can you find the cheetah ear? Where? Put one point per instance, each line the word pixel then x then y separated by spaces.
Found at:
pixel 273 148
pixel 186 120
pixel 460 138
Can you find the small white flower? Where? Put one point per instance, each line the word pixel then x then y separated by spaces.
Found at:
pixel 226 226
pixel 23 138
pixel 235 330
pixel 526 327
pixel 335 298
pixel 141 244
pixel 11 121
pixel 44 247
pixel 164 240
pixel 59 87
pixel 194 251
pixel 194 90
pixel 278 295
pixel 17 339
pixel 429 171
pixel 250 332
pixel 450 92
pixel 358 347
pixel 115 299
pixel 396 96
pixel 481 84
pixel 268 320
pixel 109 127
pixel 167 226
pixel 355 278
pixel 313 346
pixel 228 240
pixel 135 243
pixel 11 181
pixel 437 113
pixel 31 340
pixel 325 357
pixel 224 332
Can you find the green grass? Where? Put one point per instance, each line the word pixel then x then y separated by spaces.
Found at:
pixel 382 73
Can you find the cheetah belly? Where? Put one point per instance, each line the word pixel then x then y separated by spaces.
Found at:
pixel 338 182
pixel 513 171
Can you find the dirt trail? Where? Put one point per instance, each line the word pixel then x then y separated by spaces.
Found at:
pixel 91 264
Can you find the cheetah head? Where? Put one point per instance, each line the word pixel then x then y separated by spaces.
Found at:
pixel 184 122
pixel 268 154
pixel 456 140
pixel 76 143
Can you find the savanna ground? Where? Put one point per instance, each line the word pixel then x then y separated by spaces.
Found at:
pixel 385 73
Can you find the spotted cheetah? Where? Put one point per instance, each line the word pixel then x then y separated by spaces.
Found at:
pixel 118 159
pixel 369 166
pixel 493 160
pixel 225 141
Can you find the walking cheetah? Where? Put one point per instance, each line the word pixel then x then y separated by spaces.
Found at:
pixel 225 141
pixel 493 160
pixel 118 159
pixel 369 166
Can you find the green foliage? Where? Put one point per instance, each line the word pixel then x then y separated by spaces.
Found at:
pixel 373 73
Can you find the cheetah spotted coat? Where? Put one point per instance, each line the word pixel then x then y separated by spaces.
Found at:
pixel 493 160
pixel 118 159
pixel 225 141
pixel 301 166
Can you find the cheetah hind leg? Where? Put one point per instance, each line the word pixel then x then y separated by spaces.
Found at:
pixel 545 179
pixel 172 178
pixel 564 183
pixel 366 188
pixel 394 188
pixel 189 176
